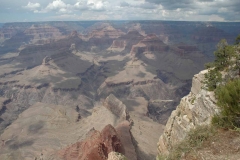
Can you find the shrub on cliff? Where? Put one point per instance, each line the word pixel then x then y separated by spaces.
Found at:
pixel 190 144
pixel 212 79
pixel 226 59
pixel 228 97
pixel 226 88
pixel 223 55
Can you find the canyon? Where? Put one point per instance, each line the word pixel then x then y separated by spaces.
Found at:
pixel 90 89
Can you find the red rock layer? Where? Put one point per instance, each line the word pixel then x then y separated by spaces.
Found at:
pixel 96 146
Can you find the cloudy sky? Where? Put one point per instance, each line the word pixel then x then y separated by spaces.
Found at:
pixel 58 10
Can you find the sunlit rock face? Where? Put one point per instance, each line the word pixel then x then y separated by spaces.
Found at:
pixel 197 108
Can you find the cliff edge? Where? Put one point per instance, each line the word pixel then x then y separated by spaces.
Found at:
pixel 195 109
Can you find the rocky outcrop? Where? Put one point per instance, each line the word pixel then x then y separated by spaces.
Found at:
pixel 126 41
pixel 124 131
pixel 197 108
pixel 118 45
pixel 150 43
pixel 96 146
pixel 115 106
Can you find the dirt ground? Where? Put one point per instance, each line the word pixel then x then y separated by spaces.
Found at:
pixel 224 145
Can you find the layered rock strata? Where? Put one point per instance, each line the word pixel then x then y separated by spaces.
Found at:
pixel 116 107
pixel 42 32
pixel 150 43
pixel 108 31
pixel 197 108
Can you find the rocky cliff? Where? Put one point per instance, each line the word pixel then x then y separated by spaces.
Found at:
pixel 96 146
pixel 197 108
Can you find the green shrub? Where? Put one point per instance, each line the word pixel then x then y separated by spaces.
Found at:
pixel 212 79
pixel 209 65
pixel 228 97
pixel 225 57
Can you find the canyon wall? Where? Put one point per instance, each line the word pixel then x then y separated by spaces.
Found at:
pixel 197 108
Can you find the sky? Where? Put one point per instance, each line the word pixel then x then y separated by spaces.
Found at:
pixel 76 10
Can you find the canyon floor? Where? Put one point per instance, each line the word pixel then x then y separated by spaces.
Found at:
pixel 105 86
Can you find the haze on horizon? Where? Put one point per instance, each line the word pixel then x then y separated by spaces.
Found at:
pixel 74 10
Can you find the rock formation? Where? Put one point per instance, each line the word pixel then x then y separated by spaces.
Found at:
pixel 42 32
pixel 96 146
pixel 115 106
pixel 118 45
pixel 126 41
pixel 107 31
pixel 124 131
pixel 149 44
pixel 197 108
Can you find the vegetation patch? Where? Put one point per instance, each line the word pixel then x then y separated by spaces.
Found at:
pixel 223 78
pixel 190 144
pixel 228 97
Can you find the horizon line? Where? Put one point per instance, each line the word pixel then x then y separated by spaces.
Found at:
pixel 116 20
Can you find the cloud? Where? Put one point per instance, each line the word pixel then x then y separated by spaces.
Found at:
pixel 143 5
pixel 97 5
pixel 124 4
pixel 57 4
pixel 81 5
pixel 219 10
pixel 173 4
pixel 32 6
pixel 223 9
pixel 147 5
